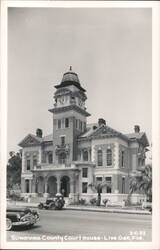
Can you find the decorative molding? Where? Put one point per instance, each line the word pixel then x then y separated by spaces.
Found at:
pixel 62 148
pixel 67 108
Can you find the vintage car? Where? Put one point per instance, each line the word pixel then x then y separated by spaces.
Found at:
pixel 20 216
pixel 55 203
pixel 147 205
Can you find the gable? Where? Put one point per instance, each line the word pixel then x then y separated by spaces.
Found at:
pixel 30 140
pixel 105 131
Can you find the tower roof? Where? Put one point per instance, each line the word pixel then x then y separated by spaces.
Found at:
pixel 70 78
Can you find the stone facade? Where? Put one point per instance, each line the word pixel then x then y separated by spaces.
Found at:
pixel 76 156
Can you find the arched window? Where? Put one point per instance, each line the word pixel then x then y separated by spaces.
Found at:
pixel 99 157
pixel 85 155
pixel 62 158
pixel 109 157
pixel 27 186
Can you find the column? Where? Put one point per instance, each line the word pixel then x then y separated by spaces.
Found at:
pixel 40 155
pixel 58 185
pixel 104 189
pixel 72 186
pixel 22 185
pixel 116 155
pixel 81 155
pixel 73 195
pixel 115 186
pixel 90 154
pixel 33 186
pixel 23 161
pixel 45 187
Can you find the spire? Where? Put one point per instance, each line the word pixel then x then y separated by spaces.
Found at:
pixel 70 68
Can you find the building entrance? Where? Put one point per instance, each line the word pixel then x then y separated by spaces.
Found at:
pixel 65 186
pixel 52 186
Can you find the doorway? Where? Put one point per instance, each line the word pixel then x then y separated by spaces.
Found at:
pixel 65 186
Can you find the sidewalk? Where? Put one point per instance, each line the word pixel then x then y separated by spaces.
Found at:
pixel 91 209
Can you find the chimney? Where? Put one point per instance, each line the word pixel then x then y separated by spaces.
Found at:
pixel 39 132
pixel 101 121
pixel 136 128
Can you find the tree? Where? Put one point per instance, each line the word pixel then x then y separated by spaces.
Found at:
pixel 143 182
pixel 14 167
pixel 97 186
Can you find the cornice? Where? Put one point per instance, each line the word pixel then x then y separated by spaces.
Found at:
pixel 67 108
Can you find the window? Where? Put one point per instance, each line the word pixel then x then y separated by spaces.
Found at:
pixel 59 123
pixel 76 123
pixel 84 172
pixel 109 157
pixel 28 164
pixel 80 125
pixel 27 186
pixel 123 185
pixel 84 126
pixel 85 155
pixel 50 158
pixel 66 122
pixel 62 158
pixel 109 184
pixel 122 159
pixel 99 158
pixel 84 187
pixel 62 140
pixel 99 179
pixel 34 162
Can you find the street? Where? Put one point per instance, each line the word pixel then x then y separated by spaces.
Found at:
pixel 69 225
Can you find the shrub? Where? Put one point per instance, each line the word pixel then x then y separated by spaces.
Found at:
pixel 93 201
pixel 15 197
pixel 82 201
pixel 105 201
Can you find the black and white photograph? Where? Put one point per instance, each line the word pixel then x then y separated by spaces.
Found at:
pixel 79 115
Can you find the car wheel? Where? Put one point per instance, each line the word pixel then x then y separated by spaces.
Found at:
pixel 52 206
pixel 40 206
pixel 8 224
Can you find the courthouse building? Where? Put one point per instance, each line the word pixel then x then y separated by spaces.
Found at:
pixel 77 155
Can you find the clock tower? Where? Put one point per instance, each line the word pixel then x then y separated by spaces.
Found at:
pixel 69 118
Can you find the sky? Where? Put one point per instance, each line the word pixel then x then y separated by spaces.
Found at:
pixel 109 48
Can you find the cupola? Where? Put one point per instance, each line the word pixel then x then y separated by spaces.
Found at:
pixel 70 78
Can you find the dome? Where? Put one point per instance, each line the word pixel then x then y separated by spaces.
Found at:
pixel 70 77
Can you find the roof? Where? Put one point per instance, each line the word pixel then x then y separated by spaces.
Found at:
pixel 48 138
pixel 141 137
pixel 33 140
pixel 90 129
pixel 135 135
pixel 70 78
pixel 106 131
pixel 102 131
